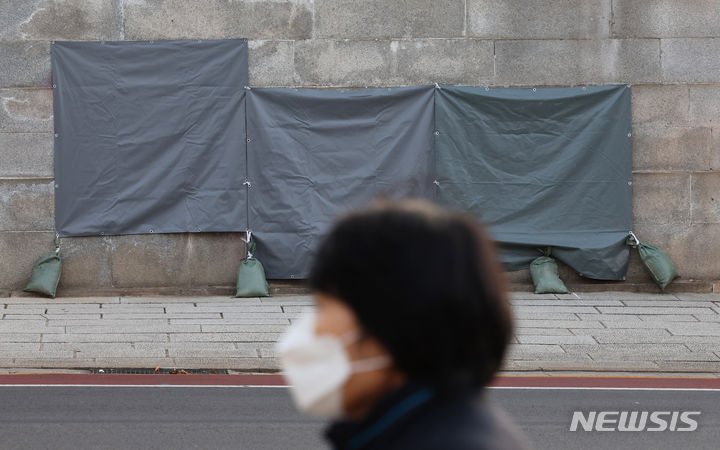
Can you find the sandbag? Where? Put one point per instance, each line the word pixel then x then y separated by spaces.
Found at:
pixel 45 275
pixel 251 280
pixel 656 261
pixel 544 272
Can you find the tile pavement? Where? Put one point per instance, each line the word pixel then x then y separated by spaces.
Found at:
pixel 600 331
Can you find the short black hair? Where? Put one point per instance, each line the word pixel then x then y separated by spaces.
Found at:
pixel 425 282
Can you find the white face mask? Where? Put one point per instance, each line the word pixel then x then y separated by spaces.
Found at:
pixel 318 367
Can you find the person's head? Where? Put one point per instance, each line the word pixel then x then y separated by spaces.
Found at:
pixel 412 281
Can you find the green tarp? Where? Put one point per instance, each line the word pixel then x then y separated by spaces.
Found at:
pixel 542 168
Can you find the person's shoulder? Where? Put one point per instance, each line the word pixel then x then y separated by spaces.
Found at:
pixel 463 425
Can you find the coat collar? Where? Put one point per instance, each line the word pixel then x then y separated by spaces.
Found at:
pixel 390 412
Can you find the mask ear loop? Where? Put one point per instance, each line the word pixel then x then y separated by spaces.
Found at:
pixel 370 364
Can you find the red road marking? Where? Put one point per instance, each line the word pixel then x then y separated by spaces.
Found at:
pixel 627 382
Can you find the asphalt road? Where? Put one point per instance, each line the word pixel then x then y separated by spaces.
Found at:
pixel 165 417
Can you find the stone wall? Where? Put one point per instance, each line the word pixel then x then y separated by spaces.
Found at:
pixel 669 50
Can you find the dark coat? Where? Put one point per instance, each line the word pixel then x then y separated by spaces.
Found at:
pixel 416 417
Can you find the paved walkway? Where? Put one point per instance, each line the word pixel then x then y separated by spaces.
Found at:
pixel 607 331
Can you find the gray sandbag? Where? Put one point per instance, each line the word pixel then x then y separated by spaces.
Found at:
pixel 251 280
pixel 656 261
pixel 545 276
pixel 46 274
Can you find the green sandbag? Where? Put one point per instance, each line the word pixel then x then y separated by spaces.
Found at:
pixel 658 263
pixel 45 275
pixel 544 272
pixel 251 280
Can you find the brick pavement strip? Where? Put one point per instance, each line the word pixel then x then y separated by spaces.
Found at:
pixel 132 328
pixel 707 317
pixel 188 315
pixel 230 308
pixel 23 326
pixel 57 301
pixel 666 303
pixel 558 324
pixel 20 337
pixel 605 331
pixel 637 324
pixel 556 309
pixel 531 339
pixel 557 302
pixel 542 331
pixel 231 321
pixel 26 316
pixel 106 337
pixel 694 329
pixel 522 315
pixel 657 333
pixel 669 318
pixel 224 337
pixel 245 328
pixel 652 310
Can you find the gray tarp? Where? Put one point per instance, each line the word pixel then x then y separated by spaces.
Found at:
pixel 149 136
pixel 315 153
pixel 541 167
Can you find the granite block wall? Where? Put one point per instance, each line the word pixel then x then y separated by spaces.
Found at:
pixel 668 50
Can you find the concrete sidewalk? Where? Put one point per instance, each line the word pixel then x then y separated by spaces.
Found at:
pixel 606 331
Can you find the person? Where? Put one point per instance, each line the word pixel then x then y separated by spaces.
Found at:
pixel 411 322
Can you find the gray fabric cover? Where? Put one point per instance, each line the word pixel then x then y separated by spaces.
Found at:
pixel 313 154
pixel 150 136
pixel 541 167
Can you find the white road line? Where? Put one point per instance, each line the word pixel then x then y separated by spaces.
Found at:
pixel 143 385
pixel 545 388
pixel 550 388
